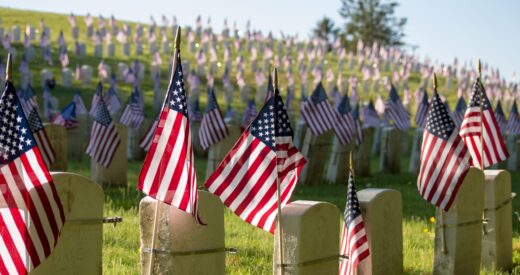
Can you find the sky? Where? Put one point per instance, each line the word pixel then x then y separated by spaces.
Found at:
pixel 442 29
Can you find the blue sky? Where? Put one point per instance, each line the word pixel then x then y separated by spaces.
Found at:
pixel 442 29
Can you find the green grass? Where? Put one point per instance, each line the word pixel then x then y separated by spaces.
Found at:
pixel 121 243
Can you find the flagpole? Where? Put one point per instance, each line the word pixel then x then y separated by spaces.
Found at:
pixel 479 82
pixel 278 188
pixel 443 227
pixel 9 68
pixel 157 208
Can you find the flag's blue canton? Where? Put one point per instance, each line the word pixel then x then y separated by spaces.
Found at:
pixel 461 104
pixel 99 88
pixel 212 101
pixel 393 94
pixel 439 122
pixel 352 208
pixel 355 112
pixel 319 94
pixel 15 135
pixel 176 92
pixel 69 112
pixel 498 109
pixel 102 115
pixel 478 96
pixel 35 123
pixel 344 106
pixel 263 127
pixel 425 98
pixel 514 109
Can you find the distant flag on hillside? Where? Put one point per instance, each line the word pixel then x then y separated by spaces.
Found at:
pixel 249 114
pixel 513 124
pixel 28 100
pixel 317 111
pixel 213 127
pixel 270 89
pixel 67 117
pixel 50 103
pixel 359 128
pixel 445 160
pixel 480 124
pixel 370 116
pixel 168 172
pixel 104 138
pixel 146 140
pixel 41 138
pixel 31 212
pixel 354 243
pixel 344 126
pixel 112 101
pixel 133 114
pixel 245 181
pixel 395 110
pixel 422 111
pixel 501 118
pixel 458 113
pixel 95 99
pixel 81 109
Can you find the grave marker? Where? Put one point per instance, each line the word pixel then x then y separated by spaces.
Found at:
pixel 115 173
pixel 58 137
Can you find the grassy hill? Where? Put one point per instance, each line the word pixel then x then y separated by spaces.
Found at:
pixel 121 243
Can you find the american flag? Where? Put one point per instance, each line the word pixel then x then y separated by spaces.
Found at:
pixel 359 128
pixel 28 100
pixel 395 110
pixel 245 181
pixel 133 114
pixel 317 111
pixel 31 214
pixel 41 138
pixel 501 118
pixel 344 126
pixel 458 113
pixel 370 116
pixel 213 127
pixel 67 117
pixel 146 141
pixel 445 160
pixel 270 89
pixel 249 114
pixel 104 138
pixel 81 109
pixel 354 244
pixel 112 101
pixel 95 99
pixel 168 172
pixel 422 111
pixel 480 124
pixel 513 124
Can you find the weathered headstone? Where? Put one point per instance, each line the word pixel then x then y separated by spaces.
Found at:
pixel 496 242
pixel 299 134
pixel 58 137
pixel 415 155
pixel 218 151
pixel 376 143
pixel 45 75
pixel 111 49
pixel 67 77
pixel 462 229
pixel 126 49
pixel 75 32
pixel 337 169
pixel 362 154
pixel 310 232
pixel 16 34
pixel 512 143
pixel 382 211
pixel 80 245
pixel 77 139
pixel 98 50
pixel 391 150
pixel 316 150
pixel 121 69
pixel 115 173
pixel 86 74
pixel 182 246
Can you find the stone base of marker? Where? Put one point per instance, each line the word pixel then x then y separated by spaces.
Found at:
pixel 391 150
pixel 58 137
pixel 339 161
pixel 462 229
pixel 67 77
pixel 362 153
pixel 310 232
pixel 299 134
pixel 512 148
pixel 316 150
pixel 86 74
pixel 383 218
pixel 415 155
pixel 77 139
pixel 376 143
pixel 115 173
pixel 182 246
pixel 496 242
pixel 135 152
pixel 197 148
pixel 79 248
pixel 218 151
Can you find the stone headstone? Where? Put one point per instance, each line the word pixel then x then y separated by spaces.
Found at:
pixel 138 48
pixel 58 137
pixel 217 152
pixel 261 92
pixel 299 133
pixel 16 34
pixel 415 155
pixel 98 50
pixel 316 150
pixel 166 47
pixel 462 229
pixel 197 148
pixel 77 139
pixel 182 246
pixel 126 49
pixel 310 239
pixel 512 148
pixel 111 49
pixel 382 211
pixel 391 150
pixel 86 74
pixel 25 80
pixel 48 32
pixel 121 68
pixel 79 248
pixel 339 161
pixel 153 47
pixel 82 49
pixel 496 242
pixel 135 152
pixel 115 173
pixel 67 77
pixel 376 143
pixel 45 75
pixel 75 32
pixel 362 154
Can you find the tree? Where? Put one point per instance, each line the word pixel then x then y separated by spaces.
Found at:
pixel 326 29
pixel 372 21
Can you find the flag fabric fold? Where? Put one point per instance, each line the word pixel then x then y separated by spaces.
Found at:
pixel 212 127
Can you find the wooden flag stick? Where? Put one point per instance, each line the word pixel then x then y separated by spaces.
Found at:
pixel 9 68
pixel 157 208
pixel 278 187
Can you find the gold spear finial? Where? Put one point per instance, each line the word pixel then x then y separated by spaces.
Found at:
pixel 178 38
pixel 275 78
pixel 434 81
pixel 9 68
